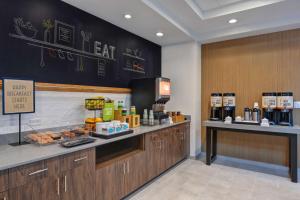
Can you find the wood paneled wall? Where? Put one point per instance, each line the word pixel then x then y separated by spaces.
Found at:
pixel 248 67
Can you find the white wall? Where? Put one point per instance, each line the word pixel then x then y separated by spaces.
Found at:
pixel 55 109
pixel 182 64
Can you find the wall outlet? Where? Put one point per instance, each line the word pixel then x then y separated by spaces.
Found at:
pixel 35 122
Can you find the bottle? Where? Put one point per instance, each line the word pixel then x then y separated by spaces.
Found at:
pixel 256 113
pixel 132 110
pixel 145 117
pixel 120 106
pixel 151 118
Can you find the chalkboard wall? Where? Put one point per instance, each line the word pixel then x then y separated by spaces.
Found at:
pixel 51 41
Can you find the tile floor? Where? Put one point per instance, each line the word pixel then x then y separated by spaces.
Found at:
pixel 193 180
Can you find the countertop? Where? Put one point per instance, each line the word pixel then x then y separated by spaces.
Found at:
pixel 271 129
pixel 16 156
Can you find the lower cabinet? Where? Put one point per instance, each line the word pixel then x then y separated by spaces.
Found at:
pixel 154 154
pixel 46 180
pixel 45 188
pixel 117 179
pixel 4 195
pixel 77 176
pixel 79 181
pixel 165 148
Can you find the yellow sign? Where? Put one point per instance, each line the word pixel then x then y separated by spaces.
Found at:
pixel 18 96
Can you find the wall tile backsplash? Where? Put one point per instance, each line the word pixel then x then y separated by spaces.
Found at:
pixel 55 109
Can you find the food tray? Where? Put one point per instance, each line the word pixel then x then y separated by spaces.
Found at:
pixel 42 143
pixel 106 136
pixel 77 142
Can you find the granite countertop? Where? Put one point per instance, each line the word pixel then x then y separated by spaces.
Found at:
pixel 271 129
pixel 16 156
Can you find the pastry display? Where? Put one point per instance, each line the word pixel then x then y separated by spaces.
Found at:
pixel 41 138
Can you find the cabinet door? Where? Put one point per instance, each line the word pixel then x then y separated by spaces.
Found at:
pixel 79 182
pixel 35 181
pixel 110 182
pixel 3 180
pixel 182 142
pixel 3 196
pixel 187 139
pixel 135 172
pixel 45 188
pixel 167 154
pixel 153 154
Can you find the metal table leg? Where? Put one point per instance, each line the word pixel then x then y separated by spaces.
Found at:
pixel 293 157
pixel 214 144
pixel 208 145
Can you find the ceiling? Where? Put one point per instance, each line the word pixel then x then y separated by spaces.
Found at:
pixel 196 20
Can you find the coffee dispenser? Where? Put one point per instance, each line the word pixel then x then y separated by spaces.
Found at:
pixel 269 103
pixel 229 105
pixel 216 106
pixel 285 105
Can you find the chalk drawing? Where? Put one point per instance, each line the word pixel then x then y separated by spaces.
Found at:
pixel 24 29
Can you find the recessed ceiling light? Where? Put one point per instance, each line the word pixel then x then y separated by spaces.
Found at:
pixel 159 34
pixel 127 16
pixel 232 21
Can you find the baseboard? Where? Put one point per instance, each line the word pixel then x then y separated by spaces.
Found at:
pixel 251 165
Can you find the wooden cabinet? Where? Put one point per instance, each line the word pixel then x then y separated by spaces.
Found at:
pixel 109 180
pixel 55 179
pixel 3 180
pixel 154 157
pixel 77 181
pixel 135 175
pixel 115 180
pixel 165 148
pixel 35 181
pixel 120 169
pixel 3 195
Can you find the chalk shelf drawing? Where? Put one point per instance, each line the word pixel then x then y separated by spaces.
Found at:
pixel 64 34
pixel 63 43
pixel 134 61
pixel 48 25
pixel 24 29
pixel 86 36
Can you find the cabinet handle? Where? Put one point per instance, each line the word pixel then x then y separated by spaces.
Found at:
pixel 80 159
pixel 38 172
pixel 128 167
pixel 4 198
pixel 58 188
pixel 66 184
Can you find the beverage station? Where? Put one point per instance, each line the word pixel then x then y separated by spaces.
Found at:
pixel 277 109
pixel 274 117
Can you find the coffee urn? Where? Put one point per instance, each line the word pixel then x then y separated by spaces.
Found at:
pixel 269 103
pixel 285 105
pixel 229 105
pixel 216 106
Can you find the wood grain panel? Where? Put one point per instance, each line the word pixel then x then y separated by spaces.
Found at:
pixel 3 180
pixel 248 67
pixel 77 88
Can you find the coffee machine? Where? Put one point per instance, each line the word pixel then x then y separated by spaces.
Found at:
pixel 151 94
pixel 285 105
pixel 269 103
pixel 229 105
pixel 216 106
